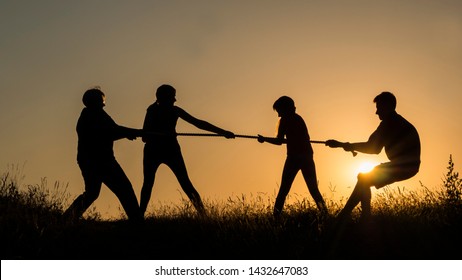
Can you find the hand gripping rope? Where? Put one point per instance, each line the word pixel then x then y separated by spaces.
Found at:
pixel 235 136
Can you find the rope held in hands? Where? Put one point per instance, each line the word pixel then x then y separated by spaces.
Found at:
pixel 246 136
pixel 221 135
pixel 235 136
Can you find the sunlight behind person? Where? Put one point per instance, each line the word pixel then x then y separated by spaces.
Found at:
pixel 230 60
pixel 365 166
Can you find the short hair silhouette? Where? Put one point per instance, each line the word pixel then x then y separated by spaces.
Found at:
pixel 93 97
pixel 284 103
pixel 386 99
pixel 401 142
pixel 96 132
pixel 165 92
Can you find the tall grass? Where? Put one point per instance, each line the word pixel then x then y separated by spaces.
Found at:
pixel 425 204
pixel 407 224
pixel 36 204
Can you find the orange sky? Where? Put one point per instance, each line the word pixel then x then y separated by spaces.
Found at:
pixel 229 60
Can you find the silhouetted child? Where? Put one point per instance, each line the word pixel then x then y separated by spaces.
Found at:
pixel 161 144
pixel 292 130
pixel 402 146
pixel 97 132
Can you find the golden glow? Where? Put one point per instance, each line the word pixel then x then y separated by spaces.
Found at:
pixel 365 166
pixel 229 62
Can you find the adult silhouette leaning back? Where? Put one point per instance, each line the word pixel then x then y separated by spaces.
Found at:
pixel 161 144
pixel 97 132
pixel 402 147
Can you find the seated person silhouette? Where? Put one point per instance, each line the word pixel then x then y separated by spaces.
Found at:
pixel 402 147
pixel 97 132
pixel 161 145
pixel 293 131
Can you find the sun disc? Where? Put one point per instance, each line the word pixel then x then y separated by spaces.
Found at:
pixel 366 166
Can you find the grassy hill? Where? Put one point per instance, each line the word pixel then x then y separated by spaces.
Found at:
pixel 419 224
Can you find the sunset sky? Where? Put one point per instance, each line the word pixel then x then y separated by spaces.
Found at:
pixel 229 61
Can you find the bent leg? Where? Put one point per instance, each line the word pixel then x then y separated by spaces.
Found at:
pixel 116 180
pixel 177 165
pixel 366 197
pixel 311 180
pixel 150 167
pixel 93 184
pixel 288 175
pixel 361 193
pixel 382 175
pixel 351 203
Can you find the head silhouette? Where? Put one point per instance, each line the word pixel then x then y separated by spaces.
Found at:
pixel 284 105
pixel 385 103
pixel 165 94
pixel 94 98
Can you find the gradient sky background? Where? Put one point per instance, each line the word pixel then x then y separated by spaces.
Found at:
pixel 229 61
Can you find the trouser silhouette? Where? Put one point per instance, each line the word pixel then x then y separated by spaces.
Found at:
pixel 382 175
pixel 292 166
pixel 153 158
pixel 111 174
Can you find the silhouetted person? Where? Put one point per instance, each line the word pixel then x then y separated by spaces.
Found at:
pixel 161 144
pixel 292 130
pixel 97 132
pixel 402 147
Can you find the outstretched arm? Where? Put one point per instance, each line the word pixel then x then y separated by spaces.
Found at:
pixel 271 140
pixel 368 147
pixel 126 132
pixel 278 140
pixel 203 124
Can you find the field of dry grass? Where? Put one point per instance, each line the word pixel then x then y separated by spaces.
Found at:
pixel 420 224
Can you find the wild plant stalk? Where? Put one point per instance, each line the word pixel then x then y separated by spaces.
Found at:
pixel 423 204
pixel 452 187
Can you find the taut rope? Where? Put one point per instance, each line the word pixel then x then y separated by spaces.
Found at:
pixel 221 135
